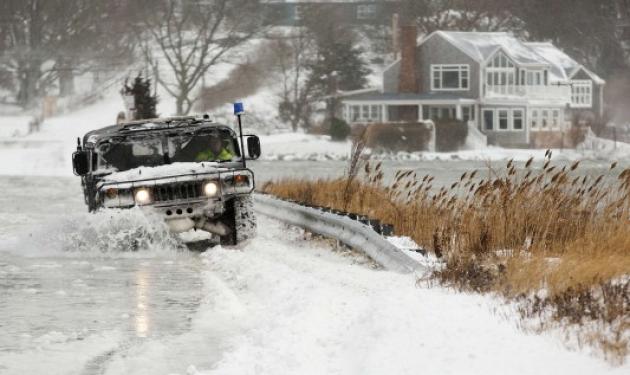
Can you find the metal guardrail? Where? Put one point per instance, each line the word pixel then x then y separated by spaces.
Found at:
pixel 350 232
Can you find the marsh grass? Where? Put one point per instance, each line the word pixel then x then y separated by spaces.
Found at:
pixel 549 237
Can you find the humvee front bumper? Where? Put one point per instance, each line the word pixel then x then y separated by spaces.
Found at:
pixel 184 201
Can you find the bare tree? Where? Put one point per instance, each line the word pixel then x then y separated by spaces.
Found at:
pixel 190 37
pixel 44 43
pixel 295 54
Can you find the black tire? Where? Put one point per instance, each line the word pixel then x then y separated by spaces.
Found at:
pixel 239 217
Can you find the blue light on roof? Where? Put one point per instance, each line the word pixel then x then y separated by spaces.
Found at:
pixel 239 108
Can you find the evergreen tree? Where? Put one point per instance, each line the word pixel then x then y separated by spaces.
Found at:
pixel 145 102
pixel 338 65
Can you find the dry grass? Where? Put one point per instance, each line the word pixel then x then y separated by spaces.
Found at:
pixel 516 232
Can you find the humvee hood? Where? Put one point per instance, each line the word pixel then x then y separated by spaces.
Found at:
pixel 164 171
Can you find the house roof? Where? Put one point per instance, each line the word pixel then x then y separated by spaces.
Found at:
pixel 481 46
pixel 563 66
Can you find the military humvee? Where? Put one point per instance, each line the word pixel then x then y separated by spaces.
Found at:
pixel 166 165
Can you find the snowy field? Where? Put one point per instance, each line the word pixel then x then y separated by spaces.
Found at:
pixel 72 302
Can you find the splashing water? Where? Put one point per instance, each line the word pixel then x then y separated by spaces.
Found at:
pixel 113 232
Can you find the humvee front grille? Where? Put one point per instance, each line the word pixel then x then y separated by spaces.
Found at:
pixel 187 190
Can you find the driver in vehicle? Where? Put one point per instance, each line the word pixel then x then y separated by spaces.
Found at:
pixel 216 152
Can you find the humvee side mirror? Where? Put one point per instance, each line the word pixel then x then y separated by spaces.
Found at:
pixel 253 147
pixel 81 162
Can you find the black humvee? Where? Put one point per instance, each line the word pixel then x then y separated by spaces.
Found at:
pixel 165 165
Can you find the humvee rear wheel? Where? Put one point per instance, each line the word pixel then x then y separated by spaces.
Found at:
pixel 239 217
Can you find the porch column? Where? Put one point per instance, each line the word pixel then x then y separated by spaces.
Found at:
pixel 458 112
pixel 526 124
pixel 420 115
pixel 385 113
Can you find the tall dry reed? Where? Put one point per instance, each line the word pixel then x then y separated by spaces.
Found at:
pixel 516 231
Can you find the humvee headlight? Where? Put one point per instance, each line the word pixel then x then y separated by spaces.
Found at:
pixel 210 188
pixel 142 196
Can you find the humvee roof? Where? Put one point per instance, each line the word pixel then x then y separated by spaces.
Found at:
pixel 187 124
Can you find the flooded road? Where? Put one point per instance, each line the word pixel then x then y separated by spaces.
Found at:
pixel 59 286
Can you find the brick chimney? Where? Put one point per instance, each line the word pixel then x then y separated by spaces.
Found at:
pixel 408 79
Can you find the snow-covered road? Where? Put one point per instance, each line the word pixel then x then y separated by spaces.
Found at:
pixel 71 302
pixel 278 305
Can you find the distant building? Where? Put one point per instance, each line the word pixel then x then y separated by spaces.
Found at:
pixel 519 94
pixel 292 12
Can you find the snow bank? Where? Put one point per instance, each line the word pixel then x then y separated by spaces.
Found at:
pixel 13 126
pixel 300 146
pixel 601 148
pixel 296 308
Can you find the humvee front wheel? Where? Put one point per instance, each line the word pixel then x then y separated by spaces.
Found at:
pixel 239 217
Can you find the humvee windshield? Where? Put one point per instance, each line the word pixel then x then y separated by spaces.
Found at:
pixel 158 149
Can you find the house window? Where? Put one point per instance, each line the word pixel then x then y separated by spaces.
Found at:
pixel 375 112
pixel 517 119
pixel 450 77
pixel 355 111
pixel 555 118
pixel 366 11
pixel 501 75
pixel 582 93
pixel 544 118
pixel 434 113
pixel 448 113
pixel 534 78
pixel 365 113
pixel 488 119
pixel 503 119
pixel 441 112
pixel 534 119
pixel 467 114
pixel 500 71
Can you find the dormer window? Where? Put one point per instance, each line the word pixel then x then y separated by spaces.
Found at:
pixel 450 77
pixel 501 61
pixel 501 75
